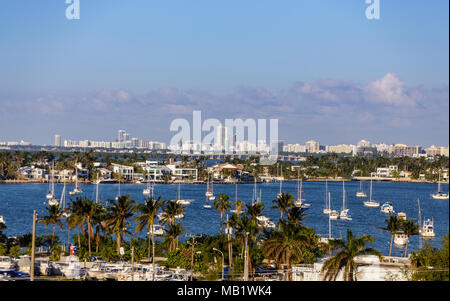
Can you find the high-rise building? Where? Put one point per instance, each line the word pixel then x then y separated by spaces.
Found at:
pixel 121 136
pixel 312 146
pixel 58 140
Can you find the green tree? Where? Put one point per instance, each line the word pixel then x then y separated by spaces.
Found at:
pixel 118 213
pixel 54 217
pixel 222 205
pixel 344 259
pixel 146 219
pixel 393 226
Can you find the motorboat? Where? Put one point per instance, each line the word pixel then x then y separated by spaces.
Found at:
pixel 427 229
pixel 7 263
pixel 334 214
pixel 157 230
pixel 401 215
pixel 387 208
pixel 2 221
pixel 400 239
pixel 53 202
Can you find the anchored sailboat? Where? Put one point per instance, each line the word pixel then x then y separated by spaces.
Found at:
pixel 300 202
pixel 179 200
pixel 149 189
pixel 76 190
pixel 345 215
pixel 370 202
pixel 51 185
pixel 440 195
pixel 326 209
pixel 361 193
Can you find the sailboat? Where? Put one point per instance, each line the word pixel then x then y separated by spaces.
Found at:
pixel 344 215
pixel 52 201
pixel 148 190
pixel 300 202
pixel 326 209
pixel 334 214
pixel 361 193
pixel 179 200
pixel 66 212
pixel 76 190
pixel 208 193
pixel 212 196
pixel 281 184
pixel 370 202
pixel 440 195
pixel 51 186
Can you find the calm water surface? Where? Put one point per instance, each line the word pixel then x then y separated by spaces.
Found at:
pixel 17 202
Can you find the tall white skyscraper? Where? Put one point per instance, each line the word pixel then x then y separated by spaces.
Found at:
pixel 57 140
pixel 121 136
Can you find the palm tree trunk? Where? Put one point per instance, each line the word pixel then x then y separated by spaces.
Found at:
pixel 118 242
pixel 79 241
pixel 53 233
pixel 89 239
pixel 390 248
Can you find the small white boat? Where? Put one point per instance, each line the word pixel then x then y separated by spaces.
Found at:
pixel 146 192
pixel 400 239
pixel 387 208
pixel 77 190
pixel 207 206
pixel 2 221
pixel 184 202
pixel 344 215
pixel 361 193
pixel 300 202
pixel 334 214
pixel 49 196
pixel 402 216
pixel 157 230
pixel 440 195
pixel 370 202
pixel 53 202
pixel 427 229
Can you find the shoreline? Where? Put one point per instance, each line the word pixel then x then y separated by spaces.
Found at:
pixel 233 183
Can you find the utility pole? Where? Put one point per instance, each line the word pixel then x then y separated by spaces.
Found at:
pixel 193 243
pixel 132 263
pixel 230 249
pixel 245 258
pixel 33 246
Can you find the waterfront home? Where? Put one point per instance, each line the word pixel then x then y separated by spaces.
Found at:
pixel 386 172
pixel 182 173
pixel 124 170
pixel 32 172
pixel 105 174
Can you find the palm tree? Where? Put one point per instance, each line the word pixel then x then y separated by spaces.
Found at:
pixel 222 205
pixel 146 219
pixel 54 217
pixel 409 228
pixel 172 234
pixel 286 245
pixel 238 205
pixel 171 211
pixel 393 225
pixel 346 251
pixel 296 215
pixel 91 210
pixel 118 213
pixel 76 218
pixel 254 211
pixel 283 203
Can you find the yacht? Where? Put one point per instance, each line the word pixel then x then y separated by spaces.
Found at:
pixel 7 263
pixel 427 229
pixel 157 230
pixel 77 190
pixel 344 215
pixel 370 202
pixel 361 193
pixel 440 195
pixel 402 216
pixel 387 208
pixel 400 239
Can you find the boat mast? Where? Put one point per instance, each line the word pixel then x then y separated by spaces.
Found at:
pixel 371 187
pixel 96 191
pixel 343 195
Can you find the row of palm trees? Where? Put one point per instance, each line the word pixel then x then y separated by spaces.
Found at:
pixel 285 245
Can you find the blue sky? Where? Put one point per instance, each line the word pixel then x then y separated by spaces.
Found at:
pixel 321 67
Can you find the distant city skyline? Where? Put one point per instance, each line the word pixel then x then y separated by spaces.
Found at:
pixel 321 68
